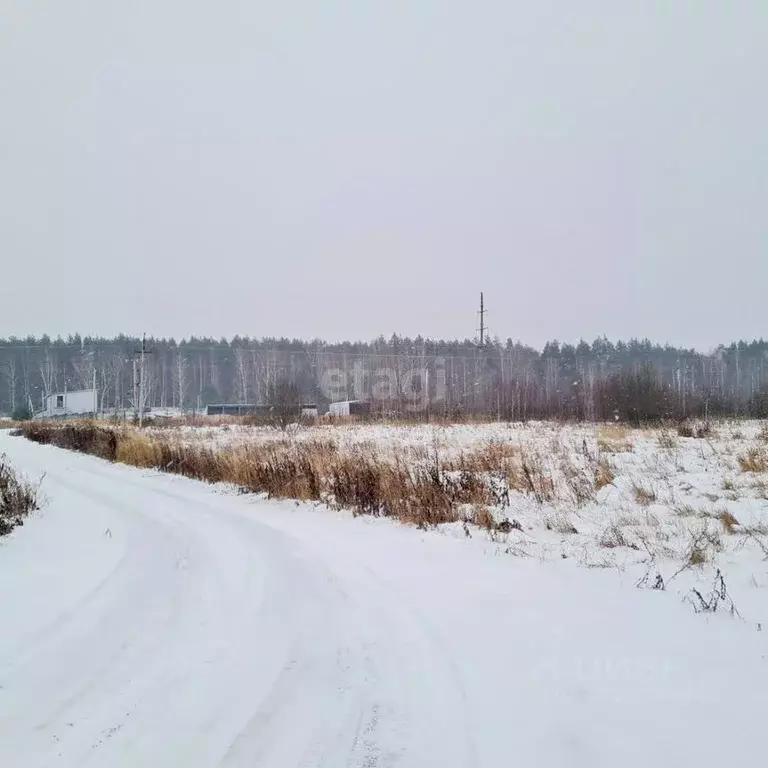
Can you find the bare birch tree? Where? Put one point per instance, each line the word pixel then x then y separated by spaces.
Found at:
pixel 180 378
pixel 9 373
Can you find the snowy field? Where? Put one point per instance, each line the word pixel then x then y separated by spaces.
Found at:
pixel 153 620
pixel 663 510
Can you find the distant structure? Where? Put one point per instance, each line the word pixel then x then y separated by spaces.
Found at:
pixel 236 409
pixel 81 402
pixel 308 410
pixel 349 408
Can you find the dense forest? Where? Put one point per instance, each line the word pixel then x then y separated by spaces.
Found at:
pixel 601 380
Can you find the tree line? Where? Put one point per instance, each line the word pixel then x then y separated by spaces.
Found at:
pixel 634 380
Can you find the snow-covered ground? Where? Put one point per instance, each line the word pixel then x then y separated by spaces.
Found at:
pixel 151 620
pixel 660 508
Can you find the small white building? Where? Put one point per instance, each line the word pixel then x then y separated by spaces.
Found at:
pixel 77 403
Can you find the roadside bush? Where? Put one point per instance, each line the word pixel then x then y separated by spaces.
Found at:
pixel 84 438
pixel 17 497
pixel 311 471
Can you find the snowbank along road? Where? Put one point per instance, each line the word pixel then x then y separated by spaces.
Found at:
pixel 147 620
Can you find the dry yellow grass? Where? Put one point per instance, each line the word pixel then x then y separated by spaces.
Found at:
pixel 728 520
pixel 482 516
pixel 137 449
pixel 697 556
pixel 614 439
pixel 492 456
pixel 754 460
pixel 704 544
pixel 356 479
pixel 10 424
pixel 614 432
pixel 604 474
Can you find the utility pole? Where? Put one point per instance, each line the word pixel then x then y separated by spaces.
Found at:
pixel 481 362
pixel 482 321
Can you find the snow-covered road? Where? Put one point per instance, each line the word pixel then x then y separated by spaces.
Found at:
pixel 148 620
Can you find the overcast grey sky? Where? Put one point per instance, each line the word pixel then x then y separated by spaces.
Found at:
pixel 347 168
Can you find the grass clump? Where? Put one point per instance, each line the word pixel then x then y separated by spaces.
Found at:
pixel 537 480
pixel 729 521
pixel 754 460
pixel 17 497
pixel 697 556
pixel 666 440
pixel 643 496
pixel 703 546
pixel 561 524
pixel 612 537
pixel 604 474
pixel 698 431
